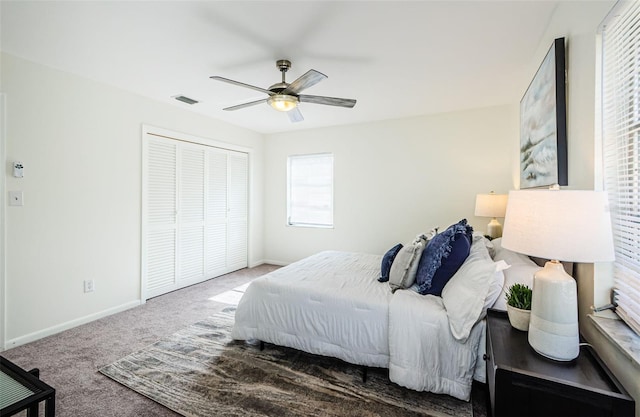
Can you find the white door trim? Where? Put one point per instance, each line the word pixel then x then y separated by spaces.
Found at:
pixel 3 158
pixel 185 137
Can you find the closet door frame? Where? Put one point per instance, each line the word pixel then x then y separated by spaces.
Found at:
pixel 153 131
pixel 3 260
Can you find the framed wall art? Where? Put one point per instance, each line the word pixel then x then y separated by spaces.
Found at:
pixel 543 123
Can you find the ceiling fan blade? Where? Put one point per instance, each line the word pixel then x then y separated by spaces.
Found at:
pixel 295 116
pixel 242 106
pixel 329 101
pixel 238 83
pixel 306 80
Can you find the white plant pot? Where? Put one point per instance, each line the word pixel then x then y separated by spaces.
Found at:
pixel 519 318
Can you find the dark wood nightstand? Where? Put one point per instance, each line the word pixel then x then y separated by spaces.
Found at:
pixel 524 383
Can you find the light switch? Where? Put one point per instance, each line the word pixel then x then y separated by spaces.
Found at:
pixel 18 170
pixel 16 198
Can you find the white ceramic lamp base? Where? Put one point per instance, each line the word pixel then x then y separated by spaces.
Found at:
pixel 553 329
pixel 494 229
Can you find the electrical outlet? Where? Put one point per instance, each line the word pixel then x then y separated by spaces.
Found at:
pixel 89 286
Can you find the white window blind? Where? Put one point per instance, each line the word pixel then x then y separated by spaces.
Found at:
pixel 621 150
pixel 310 190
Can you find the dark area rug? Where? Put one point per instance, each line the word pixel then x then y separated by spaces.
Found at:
pixel 200 371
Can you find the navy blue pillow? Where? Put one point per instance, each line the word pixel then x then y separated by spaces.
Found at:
pixel 437 254
pixel 387 261
pixel 451 262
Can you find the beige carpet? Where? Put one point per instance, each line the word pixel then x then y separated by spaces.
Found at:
pixel 199 371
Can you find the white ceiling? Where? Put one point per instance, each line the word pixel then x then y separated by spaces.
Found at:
pixel 398 59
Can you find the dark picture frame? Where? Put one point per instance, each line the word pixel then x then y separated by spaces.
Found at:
pixel 543 123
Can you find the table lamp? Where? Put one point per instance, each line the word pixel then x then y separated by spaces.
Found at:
pixel 492 205
pixel 573 226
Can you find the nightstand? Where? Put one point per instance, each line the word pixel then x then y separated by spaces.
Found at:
pixel 524 383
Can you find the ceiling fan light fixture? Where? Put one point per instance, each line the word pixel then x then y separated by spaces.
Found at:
pixel 283 102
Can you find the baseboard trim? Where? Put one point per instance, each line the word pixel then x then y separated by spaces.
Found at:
pixel 274 262
pixel 32 337
pixel 256 263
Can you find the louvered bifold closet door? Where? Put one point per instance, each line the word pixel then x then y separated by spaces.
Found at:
pixel 191 205
pixel 216 227
pixel 237 213
pixel 195 209
pixel 161 217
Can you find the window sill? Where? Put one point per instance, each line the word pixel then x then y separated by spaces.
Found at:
pixel 310 226
pixel 620 335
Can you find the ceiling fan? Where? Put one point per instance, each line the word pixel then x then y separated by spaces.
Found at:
pixel 286 97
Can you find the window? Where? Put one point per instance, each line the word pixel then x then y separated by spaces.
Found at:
pixel 310 190
pixel 621 150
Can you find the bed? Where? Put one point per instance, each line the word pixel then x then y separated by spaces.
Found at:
pixel 332 304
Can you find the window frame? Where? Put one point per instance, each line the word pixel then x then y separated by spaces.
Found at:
pixel 289 184
pixel 609 277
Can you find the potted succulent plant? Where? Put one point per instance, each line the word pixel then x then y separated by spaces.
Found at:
pixel 519 306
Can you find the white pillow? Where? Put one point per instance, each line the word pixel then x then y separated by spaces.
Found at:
pixel 521 272
pixel 465 294
pixel 495 287
pixel 497 281
pixel 512 258
pixel 488 243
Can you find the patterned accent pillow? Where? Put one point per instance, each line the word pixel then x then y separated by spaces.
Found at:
pixel 404 267
pixel 442 257
pixel 387 260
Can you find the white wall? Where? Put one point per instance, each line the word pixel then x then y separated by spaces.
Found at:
pixel 80 143
pixel 578 23
pixel 393 179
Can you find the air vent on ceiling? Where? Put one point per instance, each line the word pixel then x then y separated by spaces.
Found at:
pixel 186 99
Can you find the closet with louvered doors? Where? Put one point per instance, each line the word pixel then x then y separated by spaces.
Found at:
pixel 195 209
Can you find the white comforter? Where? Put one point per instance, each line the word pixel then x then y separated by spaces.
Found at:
pixel 331 304
pixel 424 355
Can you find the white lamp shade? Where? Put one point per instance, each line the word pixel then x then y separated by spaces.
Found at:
pixel 491 205
pixel 566 225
